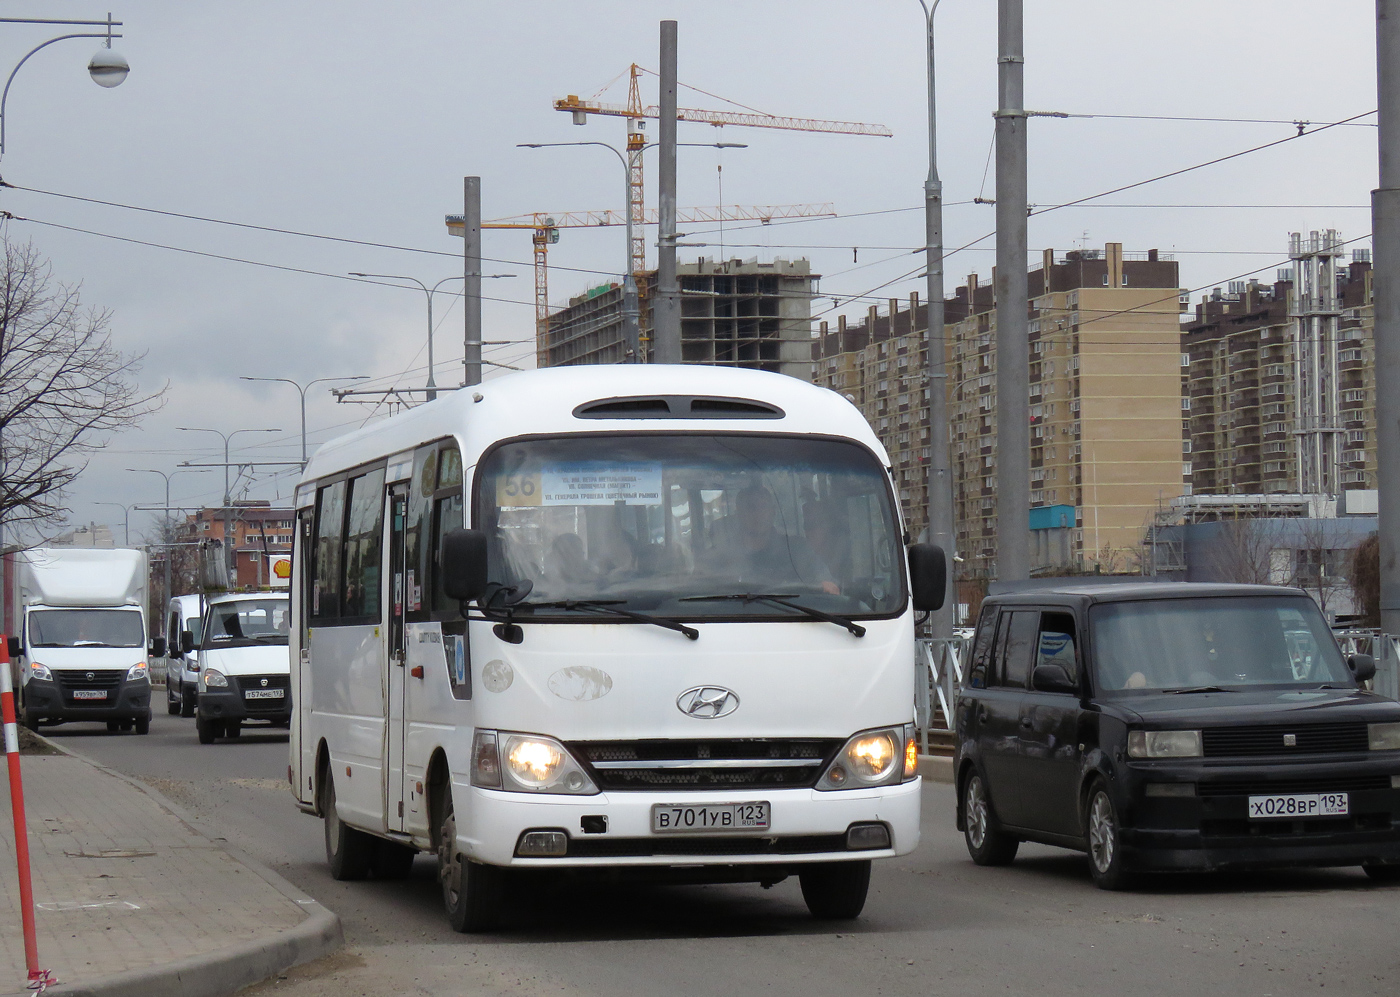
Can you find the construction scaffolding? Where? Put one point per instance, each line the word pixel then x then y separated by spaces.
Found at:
pixel 1317 419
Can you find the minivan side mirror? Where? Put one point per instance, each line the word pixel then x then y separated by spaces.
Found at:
pixel 1051 677
pixel 157 648
pixel 186 641
pixel 463 561
pixel 1362 666
pixel 14 646
pixel 928 576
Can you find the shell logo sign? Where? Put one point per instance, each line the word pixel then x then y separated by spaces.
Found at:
pixel 280 570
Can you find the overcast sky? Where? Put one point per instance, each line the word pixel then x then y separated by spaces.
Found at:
pixel 358 120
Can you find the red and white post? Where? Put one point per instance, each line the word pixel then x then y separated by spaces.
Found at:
pixel 38 978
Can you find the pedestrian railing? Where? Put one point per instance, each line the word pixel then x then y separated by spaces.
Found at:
pixel 1385 648
pixel 938 677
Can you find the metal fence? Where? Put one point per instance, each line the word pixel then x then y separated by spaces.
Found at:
pixel 1385 648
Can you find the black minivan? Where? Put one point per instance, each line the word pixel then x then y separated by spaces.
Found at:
pixel 1174 726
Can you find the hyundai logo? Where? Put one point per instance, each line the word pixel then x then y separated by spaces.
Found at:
pixel 708 702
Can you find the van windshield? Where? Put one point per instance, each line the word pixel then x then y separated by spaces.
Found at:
pixel 259 621
pixel 679 524
pixel 1165 645
pixel 86 628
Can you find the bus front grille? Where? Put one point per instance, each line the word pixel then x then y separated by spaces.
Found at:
pixel 735 763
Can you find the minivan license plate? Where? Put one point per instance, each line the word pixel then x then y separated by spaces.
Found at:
pixel 1299 805
pixel 670 818
pixel 89 693
pixel 264 694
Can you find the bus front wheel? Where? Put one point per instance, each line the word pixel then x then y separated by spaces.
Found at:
pixel 835 891
pixel 471 892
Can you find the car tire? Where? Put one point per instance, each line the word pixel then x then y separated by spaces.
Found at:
pixel 987 843
pixel 172 706
pixel 472 893
pixel 1381 873
pixel 348 851
pixel 206 729
pixel 835 891
pixel 392 860
pixel 187 704
pixel 1103 839
pixel 143 724
pixel 232 728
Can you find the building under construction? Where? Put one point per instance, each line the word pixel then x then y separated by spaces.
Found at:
pixel 739 313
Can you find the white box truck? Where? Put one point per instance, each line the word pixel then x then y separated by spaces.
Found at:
pixel 82 646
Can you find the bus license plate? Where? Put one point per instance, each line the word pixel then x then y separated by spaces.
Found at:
pixel 684 818
pixel 89 693
pixel 264 694
pixel 1299 805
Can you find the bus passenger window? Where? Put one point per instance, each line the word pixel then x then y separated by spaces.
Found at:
pixel 363 545
pixel 330 523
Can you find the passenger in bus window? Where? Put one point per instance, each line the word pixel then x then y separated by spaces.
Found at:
pixel 821 528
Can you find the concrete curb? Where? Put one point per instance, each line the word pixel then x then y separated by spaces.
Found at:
pixel 936 768
pixel 224 971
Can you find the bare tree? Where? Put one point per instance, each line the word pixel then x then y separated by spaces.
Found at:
pixel 64 387
pixel 1366 579
pixel 1243 552
pixel 1318 568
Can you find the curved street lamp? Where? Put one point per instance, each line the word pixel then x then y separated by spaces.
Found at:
pixel 107 68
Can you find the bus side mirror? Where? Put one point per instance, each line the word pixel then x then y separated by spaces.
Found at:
pixel 463 561
pixel 157 648
pixel 186 641
pixel 14 646
pixel 1362 666
pixel 928 576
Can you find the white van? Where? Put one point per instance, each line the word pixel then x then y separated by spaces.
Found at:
pixel 185 612
pixel 244 674
pixel 689 653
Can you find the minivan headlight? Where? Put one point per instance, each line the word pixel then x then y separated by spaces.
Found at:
pixel 214 679
pixel 1164 744
pixel 38 671
pixel 1383 737
pixel 872 758
pixel 527 763
pixel 137 672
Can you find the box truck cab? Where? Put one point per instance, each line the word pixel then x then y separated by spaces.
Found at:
pixel 244 673
pixel 83 643
pixel 185 612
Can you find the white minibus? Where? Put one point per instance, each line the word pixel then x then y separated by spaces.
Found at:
pixel 649 619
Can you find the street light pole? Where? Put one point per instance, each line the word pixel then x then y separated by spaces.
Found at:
pixel 166 521
pixel 432 384
pixel 225 437
pixel 126 520
pixel 302 389
pixel 940 476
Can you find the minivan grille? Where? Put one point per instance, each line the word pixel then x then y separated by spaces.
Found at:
pixel 749 763
pixel 278 705
pixel 102 678
pixel 1309 738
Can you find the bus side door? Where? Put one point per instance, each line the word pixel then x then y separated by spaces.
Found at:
pixel 396 515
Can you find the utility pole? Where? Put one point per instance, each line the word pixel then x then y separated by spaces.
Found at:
pixel 666 325
pixel 1013 349
pixel 940 476
pixel 1385 228
pixel 471 271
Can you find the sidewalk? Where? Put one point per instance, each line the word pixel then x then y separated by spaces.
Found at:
pixel 134 900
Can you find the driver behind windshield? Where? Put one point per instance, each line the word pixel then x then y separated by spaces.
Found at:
pixel 755 553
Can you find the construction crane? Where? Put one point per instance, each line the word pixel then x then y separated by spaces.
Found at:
pixel 545 233
pixel 635 113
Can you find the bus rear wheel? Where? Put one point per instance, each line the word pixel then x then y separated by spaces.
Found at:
pixel 471 892
pixel 348 851
pixel 836 891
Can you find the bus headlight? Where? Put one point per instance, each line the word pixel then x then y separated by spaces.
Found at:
pixel 137 672
pixel 213 679
pixel 871 758
pixel 527 763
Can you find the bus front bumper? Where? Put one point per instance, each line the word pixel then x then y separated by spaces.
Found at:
pixel 615 828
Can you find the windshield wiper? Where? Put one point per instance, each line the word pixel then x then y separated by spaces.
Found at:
pixel 611 607
pixel 780 599
pixel 1199 688
pixel 91 643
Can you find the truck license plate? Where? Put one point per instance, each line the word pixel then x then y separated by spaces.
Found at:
pixel 1299 805
pixel 89 693
pixel 264 694
pixel 685 818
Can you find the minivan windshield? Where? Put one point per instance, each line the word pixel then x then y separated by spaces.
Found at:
pixel 86 628
pixel 679 525
pixel 262 621
pixel 1167 645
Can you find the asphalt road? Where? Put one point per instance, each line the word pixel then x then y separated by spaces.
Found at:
pixel 934 924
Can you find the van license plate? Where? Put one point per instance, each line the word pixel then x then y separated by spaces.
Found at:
pixel 89 693
pixel 1299 805
pixel 264 694
pixel 684 818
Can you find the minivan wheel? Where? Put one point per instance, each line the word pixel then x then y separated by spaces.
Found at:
pixel 206 729
pixel 348 851
pixel 835 891
pixel 1104 839
pixel 472 893
pixel 1382 873
pixel 187 704
pixel 987 843
pixel 172 704
pixel 143 724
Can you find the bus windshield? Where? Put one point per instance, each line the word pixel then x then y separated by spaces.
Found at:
pixel 680 524
pixel 86 628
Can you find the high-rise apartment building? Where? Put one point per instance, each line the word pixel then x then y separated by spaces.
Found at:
pixel 1105 401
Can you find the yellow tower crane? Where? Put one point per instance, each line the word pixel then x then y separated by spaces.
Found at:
pixel 635 113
